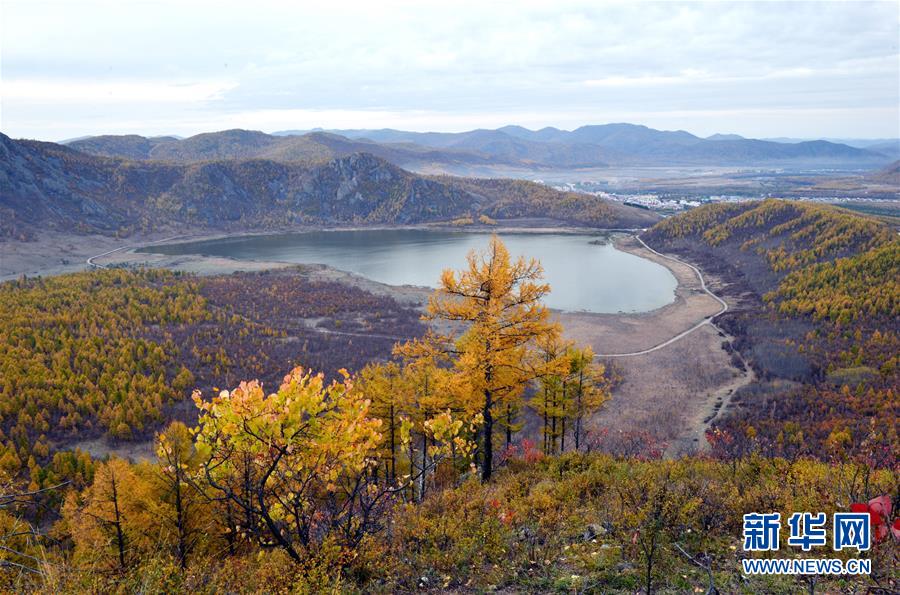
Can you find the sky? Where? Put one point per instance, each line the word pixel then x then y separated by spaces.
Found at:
pixel 759 69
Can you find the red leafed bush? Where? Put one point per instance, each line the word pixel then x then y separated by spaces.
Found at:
pixel 879 511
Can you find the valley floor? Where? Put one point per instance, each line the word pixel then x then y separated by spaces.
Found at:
pixel 666 397
pixel 672 394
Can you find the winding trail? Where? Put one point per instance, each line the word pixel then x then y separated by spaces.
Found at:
pixel 717 401
pixel 326 331
pixel 96 265
pixel 706 320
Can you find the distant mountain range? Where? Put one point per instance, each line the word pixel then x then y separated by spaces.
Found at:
pixel 886 146
pixel 51 186
pixel 510 146
pixel 314 147
pixel 626 144
pixel 860 143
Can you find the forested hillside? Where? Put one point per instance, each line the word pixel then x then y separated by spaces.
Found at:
pixel 409 474
pixel 49 186
pixel 511 199
pixel 817 290
pixel 112 353
pixel 310 148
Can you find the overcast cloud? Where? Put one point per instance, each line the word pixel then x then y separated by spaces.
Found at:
pixel 821 69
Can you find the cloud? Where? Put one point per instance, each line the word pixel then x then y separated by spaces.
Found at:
pixel 74 92
pixel 187 64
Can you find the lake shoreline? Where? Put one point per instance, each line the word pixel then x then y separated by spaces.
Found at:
pixel 57 253
pixel 661 392
pixel 585 269
pixel 476 229
pixel 621 331
pixel 615 332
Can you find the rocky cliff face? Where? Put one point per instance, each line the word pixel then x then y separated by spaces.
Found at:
pixel 52 186
pixel 358 188
pixel 46 184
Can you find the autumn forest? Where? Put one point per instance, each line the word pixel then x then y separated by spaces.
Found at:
pixel 304 435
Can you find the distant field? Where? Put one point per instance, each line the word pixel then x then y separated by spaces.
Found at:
pixel 890 212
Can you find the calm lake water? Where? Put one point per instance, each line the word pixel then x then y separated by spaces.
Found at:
pixel 583 275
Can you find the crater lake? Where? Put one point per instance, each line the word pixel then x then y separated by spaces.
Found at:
pixel 585 271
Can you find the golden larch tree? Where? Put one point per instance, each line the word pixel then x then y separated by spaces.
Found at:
pixel 499 302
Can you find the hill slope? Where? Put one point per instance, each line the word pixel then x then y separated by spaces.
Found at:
pixel 816 299
pixel 53 186
pixel 314 147
pixel 888 175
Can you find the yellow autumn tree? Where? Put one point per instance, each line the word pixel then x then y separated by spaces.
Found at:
pixel 108 520
pixel 384 385
pixel 588 390
pixel 294 461
pixel 572 388
pixel 498 302
pixel 422 426
pixel 551 400
pixel 431 388
pixel 183 509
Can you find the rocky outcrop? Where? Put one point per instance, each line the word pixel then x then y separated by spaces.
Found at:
pixel 53 186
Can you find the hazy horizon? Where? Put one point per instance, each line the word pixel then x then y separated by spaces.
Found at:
pixel 761 70
pixel 533 129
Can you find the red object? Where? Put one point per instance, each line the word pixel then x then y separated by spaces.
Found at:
pixel 879 511
pixel 881 506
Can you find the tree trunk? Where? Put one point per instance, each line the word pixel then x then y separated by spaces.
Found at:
pixel 285 544
pixel 232 530
pixel 120 536
pixel 553 431
pixel 562 418
pixel 578 412
pixel 180 520
pixel 488 460
pixel 412 470
pixel 546 430
pixel 393 448
pixel 424 465
pixel 562 445
pixel 578 433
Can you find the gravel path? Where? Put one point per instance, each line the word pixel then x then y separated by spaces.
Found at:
pixel 706 320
